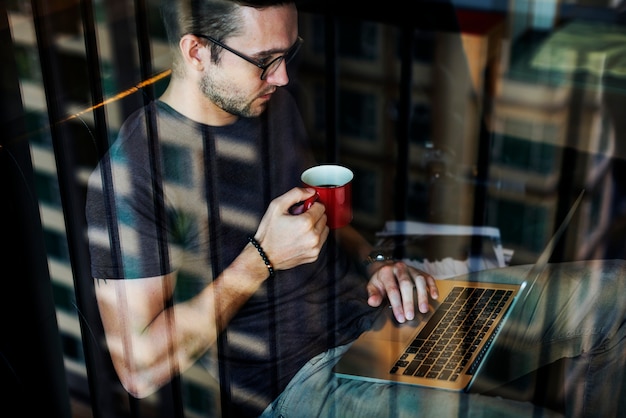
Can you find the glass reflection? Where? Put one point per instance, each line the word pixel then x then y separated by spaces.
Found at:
pixel 507 123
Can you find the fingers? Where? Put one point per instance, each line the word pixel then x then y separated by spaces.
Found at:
pixel 303 205
pixel 297 200
pixel 401 300
pixel 404 287
pixel 426 286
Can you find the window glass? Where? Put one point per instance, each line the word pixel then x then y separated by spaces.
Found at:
pixel 502 114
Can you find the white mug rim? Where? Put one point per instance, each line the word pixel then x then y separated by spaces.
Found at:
pixel 329 172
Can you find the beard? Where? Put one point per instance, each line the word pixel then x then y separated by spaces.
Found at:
pixel 227 97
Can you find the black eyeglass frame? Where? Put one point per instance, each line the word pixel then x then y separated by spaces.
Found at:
pixel 287 56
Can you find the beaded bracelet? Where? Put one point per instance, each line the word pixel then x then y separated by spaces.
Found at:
pixel 266 260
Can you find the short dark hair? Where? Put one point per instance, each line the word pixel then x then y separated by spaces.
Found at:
pixel 216 18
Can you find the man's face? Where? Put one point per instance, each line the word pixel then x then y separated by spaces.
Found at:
pixel 234 85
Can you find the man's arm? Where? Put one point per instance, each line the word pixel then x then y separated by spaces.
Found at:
pixel 150 342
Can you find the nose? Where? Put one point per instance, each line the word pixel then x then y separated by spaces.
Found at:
pixel 279 77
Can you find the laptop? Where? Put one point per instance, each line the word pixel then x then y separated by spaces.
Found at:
pixel 446 347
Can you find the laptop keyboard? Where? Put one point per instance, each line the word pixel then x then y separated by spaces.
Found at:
pixel 444 348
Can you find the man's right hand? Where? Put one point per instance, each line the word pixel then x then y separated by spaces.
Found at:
pixel 291 240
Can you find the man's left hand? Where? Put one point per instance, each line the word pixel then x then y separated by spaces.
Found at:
pixel 396 281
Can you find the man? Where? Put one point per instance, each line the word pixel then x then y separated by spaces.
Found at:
pixel 239 142
pixel 196 256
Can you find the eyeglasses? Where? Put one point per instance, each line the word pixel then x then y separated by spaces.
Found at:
pixel 270 67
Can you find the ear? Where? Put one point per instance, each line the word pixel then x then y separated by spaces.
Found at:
pixel 193 51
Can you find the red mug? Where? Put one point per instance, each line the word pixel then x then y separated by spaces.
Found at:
pixel 333 184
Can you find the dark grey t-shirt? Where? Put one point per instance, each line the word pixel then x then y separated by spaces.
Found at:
pixel 185 201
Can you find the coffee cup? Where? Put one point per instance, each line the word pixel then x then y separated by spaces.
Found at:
pixel 333 184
